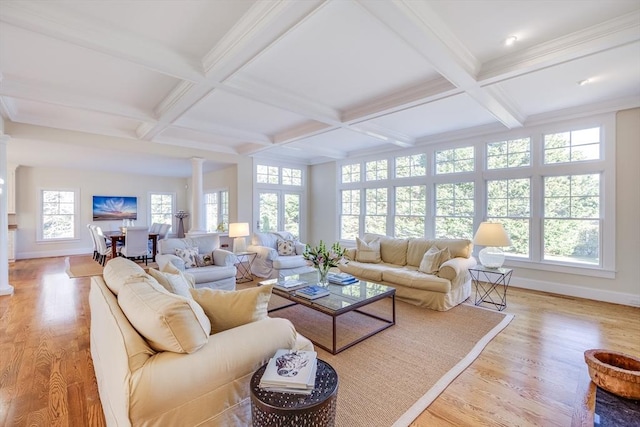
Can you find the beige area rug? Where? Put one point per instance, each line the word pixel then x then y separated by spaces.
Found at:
pixel 86 266
pixel 390 378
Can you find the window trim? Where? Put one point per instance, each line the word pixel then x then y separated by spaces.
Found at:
pixel 173 206
pixel 76 216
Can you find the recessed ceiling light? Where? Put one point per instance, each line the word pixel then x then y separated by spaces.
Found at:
pixel 510 40
pixel 583 82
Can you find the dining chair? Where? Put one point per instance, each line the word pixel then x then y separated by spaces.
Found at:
pixel 103 251
pixel 155 227
pixel 136 244
pixel 164 230
pixel 93 240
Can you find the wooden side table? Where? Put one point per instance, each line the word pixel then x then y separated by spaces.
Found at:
pixel 269 408
pixel 245 259
pixel 491 283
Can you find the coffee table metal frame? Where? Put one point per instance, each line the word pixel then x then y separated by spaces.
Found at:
pixel 346 302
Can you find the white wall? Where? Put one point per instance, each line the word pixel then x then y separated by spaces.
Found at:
pixel 623 289
pixel 30 180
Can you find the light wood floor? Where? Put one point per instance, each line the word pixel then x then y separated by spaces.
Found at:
pixel 533 373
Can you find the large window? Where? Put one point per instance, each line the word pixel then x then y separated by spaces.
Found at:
pixel 572 218
pixel 508 202
pixel 279 198
pixel 162 208
pixel 216 207
pixel 58 214
pixel 546 184
pixel 411 204
pixel 455 209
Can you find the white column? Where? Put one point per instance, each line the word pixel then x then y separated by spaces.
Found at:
pixel 5 287
pixel 197 205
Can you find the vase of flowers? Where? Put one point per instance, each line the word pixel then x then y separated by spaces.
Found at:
pixel 323 258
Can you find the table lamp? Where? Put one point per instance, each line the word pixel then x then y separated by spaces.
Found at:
pixel 492 236
pixel 238 231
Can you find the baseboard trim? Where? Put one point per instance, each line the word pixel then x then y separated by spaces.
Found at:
pixel 577 291
pixel 51 254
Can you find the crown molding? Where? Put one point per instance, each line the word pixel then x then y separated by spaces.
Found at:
pixel 604 36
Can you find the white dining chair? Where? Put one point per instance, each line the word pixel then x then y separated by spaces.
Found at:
pixel 103 251
pixel 136 244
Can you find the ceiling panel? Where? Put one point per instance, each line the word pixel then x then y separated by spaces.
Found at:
pixel 436 117
pixel 339 57
pixel 612 74
pixel 340 141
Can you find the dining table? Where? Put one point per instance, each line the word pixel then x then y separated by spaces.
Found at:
pixel 119 236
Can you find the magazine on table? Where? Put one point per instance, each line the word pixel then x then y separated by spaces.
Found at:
pixel 312 292
pixel 290 370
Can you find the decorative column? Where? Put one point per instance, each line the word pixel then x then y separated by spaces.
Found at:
pixel 197 205
pixel 5 287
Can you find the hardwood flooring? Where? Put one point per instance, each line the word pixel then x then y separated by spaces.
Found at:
pixel 531 374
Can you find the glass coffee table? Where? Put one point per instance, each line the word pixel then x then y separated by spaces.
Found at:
pixel 341 300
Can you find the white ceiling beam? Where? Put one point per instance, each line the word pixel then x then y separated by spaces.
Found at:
pixel 598 38
pixel 41 94
pixel 424 31
pixel 45 18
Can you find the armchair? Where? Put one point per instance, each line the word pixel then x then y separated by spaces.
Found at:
pixel 271 263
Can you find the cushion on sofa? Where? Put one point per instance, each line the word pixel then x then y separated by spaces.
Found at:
pixel 189 256
pixel 412 278
pixel 175 283
pixel 393 250
pixel 368 251
pixel 432 260
pixel 168 322
pixel 286 247
pixel 172 269
pixel 228 309
pixel 119 271
pixel 203 260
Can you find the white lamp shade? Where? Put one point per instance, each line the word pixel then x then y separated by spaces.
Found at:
pixel 238 229
pixel 492 235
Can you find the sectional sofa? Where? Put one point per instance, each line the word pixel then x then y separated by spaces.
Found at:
pixel 397 262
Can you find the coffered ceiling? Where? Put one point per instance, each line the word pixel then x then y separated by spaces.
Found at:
pixel 307 81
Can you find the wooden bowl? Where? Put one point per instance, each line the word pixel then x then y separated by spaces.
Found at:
pixel 618 373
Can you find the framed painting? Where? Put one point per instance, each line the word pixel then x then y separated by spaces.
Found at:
pixel 110 208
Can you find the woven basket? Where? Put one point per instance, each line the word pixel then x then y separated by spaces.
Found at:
pixel 617 373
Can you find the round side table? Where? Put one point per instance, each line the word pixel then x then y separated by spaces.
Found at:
pixel 276 409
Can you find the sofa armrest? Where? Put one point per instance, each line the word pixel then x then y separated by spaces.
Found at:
pixel 164 259
pixel 452 268
pixel 263 252
pixel 224 257
pixel 350 254
pixel 300 247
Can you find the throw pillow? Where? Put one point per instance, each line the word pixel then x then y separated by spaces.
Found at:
pixel 189 256
pixel 286 247
pixel 432 259
pixel 368 252
pixel 172 269
pixel 174 283
pixel 228 309
pixel 168 322
pixel 204 259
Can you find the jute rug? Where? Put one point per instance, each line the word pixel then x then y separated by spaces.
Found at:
pixel 390 378
pixel 86 266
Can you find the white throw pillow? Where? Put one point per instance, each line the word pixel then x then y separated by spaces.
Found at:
pixel 433 259
pixel 286 247
pixel 228 309
pixel 172 269
pixel 189 256
pixel 168 322
pixel 368 252
pixel 174 283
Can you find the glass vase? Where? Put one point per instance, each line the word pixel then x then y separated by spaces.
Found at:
pixel 323 273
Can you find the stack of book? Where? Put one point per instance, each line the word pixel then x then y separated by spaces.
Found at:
pixel 341 278
pixel 290 284
pixel 290 371
pixel 312 292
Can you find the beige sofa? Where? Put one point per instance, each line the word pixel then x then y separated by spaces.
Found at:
pixel 202 382
pixel 399 263
pixel 219 275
